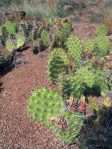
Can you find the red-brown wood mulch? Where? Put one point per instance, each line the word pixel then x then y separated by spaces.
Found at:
pixel 17 129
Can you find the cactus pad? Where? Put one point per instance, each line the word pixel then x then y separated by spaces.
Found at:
pixel 45 38
pixel 10 27
pixel 57 64
pixel 75 48
pixel 102 31
pixel 44 103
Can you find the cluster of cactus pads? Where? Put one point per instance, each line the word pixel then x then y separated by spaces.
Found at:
pixel 57 111
pixel 47 107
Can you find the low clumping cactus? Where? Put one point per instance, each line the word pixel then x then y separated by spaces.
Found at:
pixel 46 107
pixel 4 35
pixel 45 38
pixel 57 64
pixel 10 27
pixel 102 46
pixel 76 84
pixel 88 45
pixel 13 44
pixel 64 31
pixel 70 124
pixel 101 81
pixel 102 31
pixel 75 48
pixel 43 104
pixel 37 46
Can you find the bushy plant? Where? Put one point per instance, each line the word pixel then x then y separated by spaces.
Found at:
pixel 57 64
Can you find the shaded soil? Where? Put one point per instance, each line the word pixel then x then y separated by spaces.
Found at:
pixel 17 129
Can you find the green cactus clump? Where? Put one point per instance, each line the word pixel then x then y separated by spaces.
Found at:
pixel 88 45
pixel 75 48
pixel 102 31
pixel 46 107
pixel 45 38
pixel 13 44
pixel 64 31
pixel 10 27
pixel 37 46
pixel 79 82
pixel 76 85
pixel 43 104
pixel 75 121
pixel 57 64
pixel 102 46
pixel 101 81
pixel 20 40
pixel 10 45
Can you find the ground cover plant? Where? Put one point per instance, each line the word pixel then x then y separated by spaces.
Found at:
pixel 79 71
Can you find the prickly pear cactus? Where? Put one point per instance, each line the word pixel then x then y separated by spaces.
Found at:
pixel 75 85
pixel 88 45
pixel 101 81
pixel 37 46
pixel 71 127
pixel 102 31
pixel 46 107
pixel 102 46
pixel 20 40
pixel 4 35
pixel 64 31
pixel 10 27
pixel 75 48
pixel 43 104
pixel 13 44
pixel 57 64
pixel 45 38
pixel 10 45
